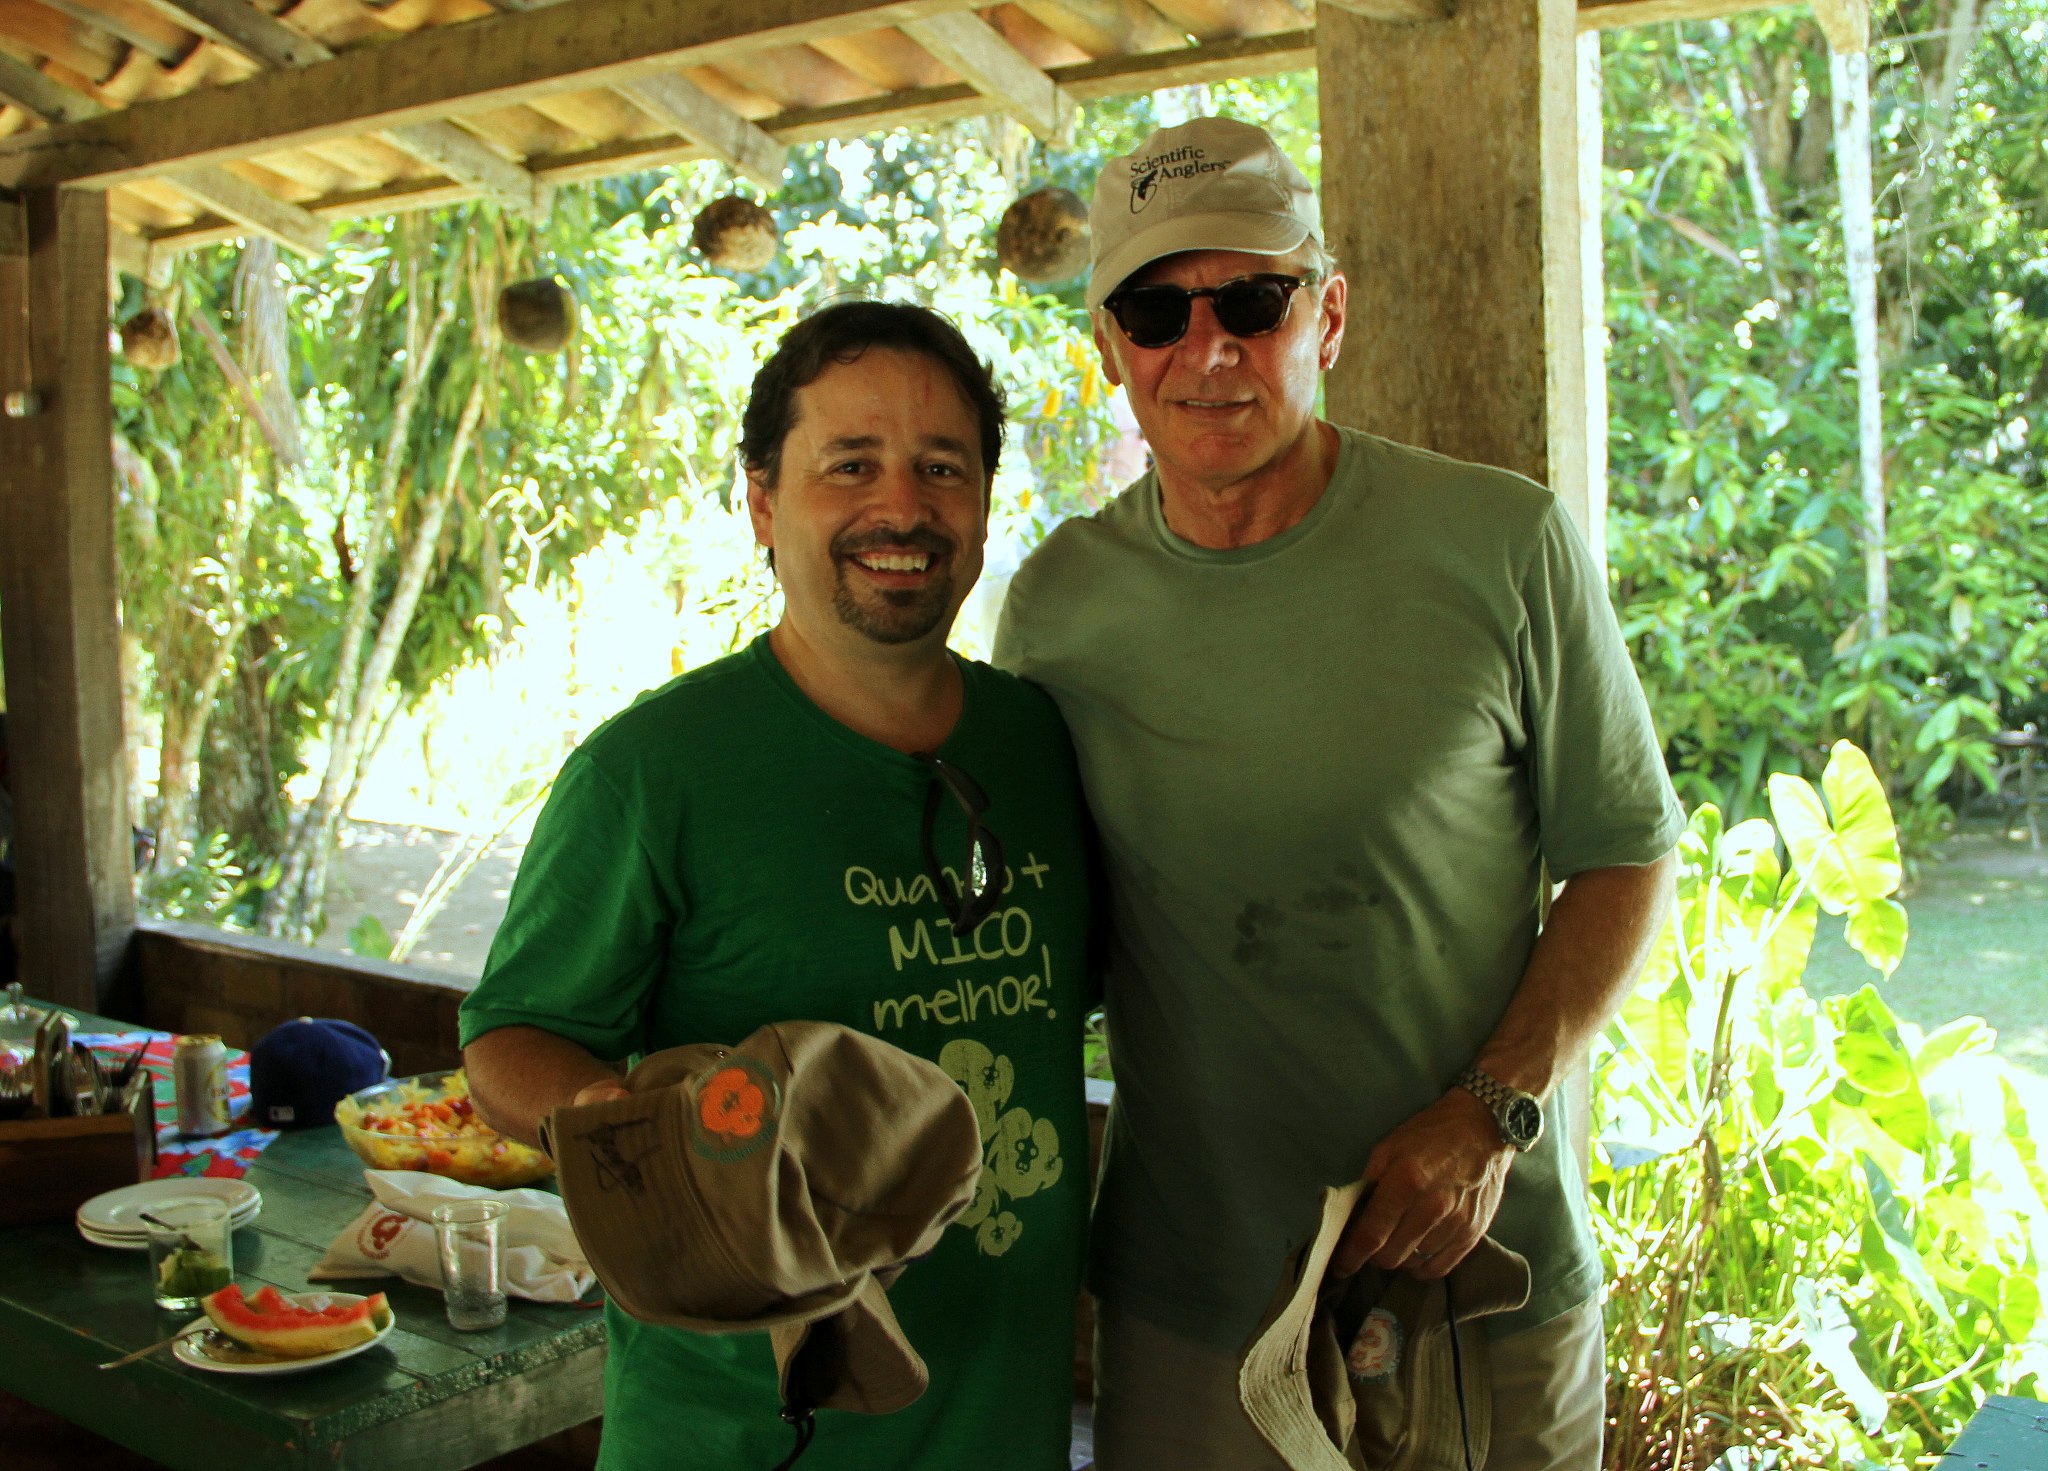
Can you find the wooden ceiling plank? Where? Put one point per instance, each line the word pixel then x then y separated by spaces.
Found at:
pixel 1397 10
pixel 1106 28
pixel 977 51
pixel 150 43
pixel 679 103
pixel 1607 15
pixel 462 156
pixel 239 200
pixel 487 63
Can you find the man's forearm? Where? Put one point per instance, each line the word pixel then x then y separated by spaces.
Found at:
pixel 519 1075
pixel 1584 965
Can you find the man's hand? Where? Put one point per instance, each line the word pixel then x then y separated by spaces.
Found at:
pixel 1432 1187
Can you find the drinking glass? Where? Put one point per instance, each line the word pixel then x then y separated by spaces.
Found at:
pixel 468 1233
pixel 191 1250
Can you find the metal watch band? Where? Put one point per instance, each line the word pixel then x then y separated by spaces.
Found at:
pixel 1499 1098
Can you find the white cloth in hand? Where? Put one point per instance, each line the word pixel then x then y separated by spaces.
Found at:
pixel 394 1237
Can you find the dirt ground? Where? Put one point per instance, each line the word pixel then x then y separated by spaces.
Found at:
pixel 381 869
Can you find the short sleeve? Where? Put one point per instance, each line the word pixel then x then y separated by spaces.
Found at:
pixel 1596 768
pixel 584 942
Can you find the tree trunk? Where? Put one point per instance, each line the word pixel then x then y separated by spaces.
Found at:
pixel 1905 245
pixel 286 912
pixel 1851 77
pixel 345 760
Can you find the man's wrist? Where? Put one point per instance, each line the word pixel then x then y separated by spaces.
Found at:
pixel 1517 1114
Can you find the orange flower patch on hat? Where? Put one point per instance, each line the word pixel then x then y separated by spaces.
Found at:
pixel 737 1108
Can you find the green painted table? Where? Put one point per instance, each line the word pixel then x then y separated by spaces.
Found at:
pixel 426 1397
pixel 2006 1434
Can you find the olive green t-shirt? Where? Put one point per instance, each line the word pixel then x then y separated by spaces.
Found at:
pixel 1327 771
pixel 723 855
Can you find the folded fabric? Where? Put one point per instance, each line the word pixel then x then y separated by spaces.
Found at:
pixel 394 1237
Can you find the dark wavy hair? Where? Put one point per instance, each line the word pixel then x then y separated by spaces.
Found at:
pixel 840 334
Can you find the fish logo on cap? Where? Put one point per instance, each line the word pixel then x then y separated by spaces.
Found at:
pixel 737 1109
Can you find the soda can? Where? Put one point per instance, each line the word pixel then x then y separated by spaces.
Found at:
pixel 199 1071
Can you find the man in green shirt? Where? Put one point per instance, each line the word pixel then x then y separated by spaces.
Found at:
pixel 844 822
pixel 1340 706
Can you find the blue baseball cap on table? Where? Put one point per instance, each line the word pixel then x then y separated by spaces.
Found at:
pixel 300 1070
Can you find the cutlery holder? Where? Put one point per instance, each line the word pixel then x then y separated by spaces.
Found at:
pixel 50 1167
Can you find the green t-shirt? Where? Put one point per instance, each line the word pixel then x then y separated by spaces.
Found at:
pixel 1326 771
pixel 723 855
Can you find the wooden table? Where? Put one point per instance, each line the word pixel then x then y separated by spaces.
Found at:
pixel 2008 1434
pixel 428 1397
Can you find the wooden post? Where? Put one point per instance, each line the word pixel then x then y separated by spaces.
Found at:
pixel 1451 197
pixel 59 616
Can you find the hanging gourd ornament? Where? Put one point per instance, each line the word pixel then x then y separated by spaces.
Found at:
pixel 1044 236
pixel 735 234
pixel 149 339
pixel 538 315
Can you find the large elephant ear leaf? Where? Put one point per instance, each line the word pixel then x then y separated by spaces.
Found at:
pixel 1810 838
pixel 1863 822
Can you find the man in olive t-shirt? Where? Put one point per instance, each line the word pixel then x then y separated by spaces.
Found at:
pixel 842 822
pixel 1339 704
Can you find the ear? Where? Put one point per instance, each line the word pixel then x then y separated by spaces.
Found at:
pixel 761 508
pixel 1111 369
pixel 1336 292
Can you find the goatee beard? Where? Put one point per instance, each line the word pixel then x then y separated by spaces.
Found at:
pixel 900 615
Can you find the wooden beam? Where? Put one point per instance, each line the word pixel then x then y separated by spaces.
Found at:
pixel 462 156
pixel 13 227
pixel 152 46
pixel 60 638
pixel 487 63
pixel 257 34
pixel 43 96
pixel 976 50
pixel 128 253
pixel 239 200
pixel 1395 10
pixel 1608 15
pixel 680 104
pixel 1846 24
pixel 1462 241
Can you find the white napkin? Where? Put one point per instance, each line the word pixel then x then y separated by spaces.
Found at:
pixel 394 1237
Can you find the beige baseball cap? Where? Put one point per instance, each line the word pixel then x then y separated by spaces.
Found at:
pixel 1349 1373
pixel 777 1185
pixel 1210 184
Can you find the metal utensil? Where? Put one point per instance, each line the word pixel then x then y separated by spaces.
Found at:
pixel 88 1084
pixel 159 1346
pixel 185 1243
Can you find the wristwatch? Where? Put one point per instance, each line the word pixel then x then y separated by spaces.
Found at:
pixel 1519 1115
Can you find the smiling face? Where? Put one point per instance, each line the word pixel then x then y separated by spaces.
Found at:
pixel 880 507
pixel 1220 411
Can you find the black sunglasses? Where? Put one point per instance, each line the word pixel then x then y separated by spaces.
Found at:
pixel 1249 306
pixel 982 877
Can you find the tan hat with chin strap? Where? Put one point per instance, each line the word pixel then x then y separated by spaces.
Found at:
pixel 1209 184
pixel 1380 1370
pixel 778 1185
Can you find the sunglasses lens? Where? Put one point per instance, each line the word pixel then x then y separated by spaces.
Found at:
pixel 1152 316
pixel 1251 308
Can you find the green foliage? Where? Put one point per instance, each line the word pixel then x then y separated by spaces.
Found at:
pixel 1822 1227
pixel 1735 517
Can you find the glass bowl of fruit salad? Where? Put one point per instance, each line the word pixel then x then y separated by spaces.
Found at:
pixel 429 1123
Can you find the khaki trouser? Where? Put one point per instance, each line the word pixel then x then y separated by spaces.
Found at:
pixel 1165 1404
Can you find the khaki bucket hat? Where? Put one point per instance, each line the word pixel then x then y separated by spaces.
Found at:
pixel 1381 1371
pixel 778 1185
pixel 1210 184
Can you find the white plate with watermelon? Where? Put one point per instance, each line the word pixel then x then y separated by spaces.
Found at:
pixel 282 1332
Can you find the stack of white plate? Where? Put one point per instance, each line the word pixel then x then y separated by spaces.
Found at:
pixel 115 1218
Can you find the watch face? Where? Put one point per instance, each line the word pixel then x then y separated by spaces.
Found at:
pixel 1524 1122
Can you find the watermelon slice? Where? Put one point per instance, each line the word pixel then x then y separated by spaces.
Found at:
pixel 272 1323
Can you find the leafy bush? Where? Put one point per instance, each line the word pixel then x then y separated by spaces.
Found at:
pixel 1822 1228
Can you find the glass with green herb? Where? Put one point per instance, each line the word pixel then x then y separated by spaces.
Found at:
pixel 191 1250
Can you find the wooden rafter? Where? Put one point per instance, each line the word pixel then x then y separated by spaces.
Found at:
pixel 972 47
pixel 226 194
pixel 1846 23
pixel 677 102
pixel 267 40
pixel 491 62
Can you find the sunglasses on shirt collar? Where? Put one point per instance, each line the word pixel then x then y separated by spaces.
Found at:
pixel 1246 306
pixel 980 888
